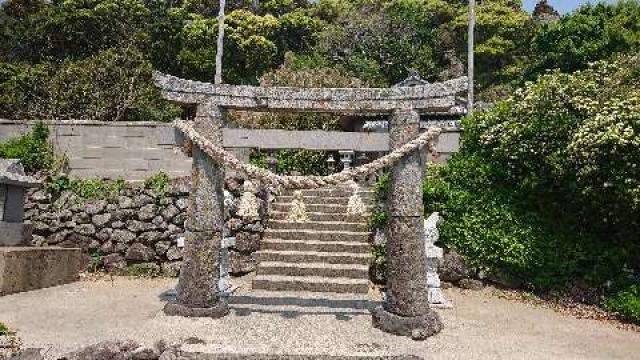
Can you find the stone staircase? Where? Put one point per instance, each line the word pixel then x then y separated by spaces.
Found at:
pixel 330 253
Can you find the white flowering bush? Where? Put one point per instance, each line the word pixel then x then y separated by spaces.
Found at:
pixel 546 189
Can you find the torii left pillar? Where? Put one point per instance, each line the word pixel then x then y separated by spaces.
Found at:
pixel 197 293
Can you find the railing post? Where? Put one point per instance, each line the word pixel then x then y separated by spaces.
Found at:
pixel 197 294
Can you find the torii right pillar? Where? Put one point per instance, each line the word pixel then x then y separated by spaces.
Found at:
pixel 406 308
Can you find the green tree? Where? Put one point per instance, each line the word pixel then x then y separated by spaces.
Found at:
pixel 591 33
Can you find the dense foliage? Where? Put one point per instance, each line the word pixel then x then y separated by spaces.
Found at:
pixel 546 190
pixel 626 303
pixel 32 149
pixel 92 59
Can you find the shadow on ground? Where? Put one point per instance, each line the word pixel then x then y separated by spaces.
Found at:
pixel 291 307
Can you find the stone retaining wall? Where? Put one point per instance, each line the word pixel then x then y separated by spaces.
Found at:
pixel 137 230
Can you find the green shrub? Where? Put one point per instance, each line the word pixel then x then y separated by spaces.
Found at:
pixel 96 261
pixel 32 149
pixel 85 189
pixel 4 329
pixel 378 263
pixel 157 182
pixel 381 187
pixel 302 162
pixel 544 191
pixel 379 220
pixel 626 303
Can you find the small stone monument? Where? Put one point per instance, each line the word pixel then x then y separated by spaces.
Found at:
pixel 23 267
pixel 434 256
pixel 13 182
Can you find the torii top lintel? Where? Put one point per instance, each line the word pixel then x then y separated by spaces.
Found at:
pixel 437 97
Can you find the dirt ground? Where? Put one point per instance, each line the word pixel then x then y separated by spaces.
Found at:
pixel 479 326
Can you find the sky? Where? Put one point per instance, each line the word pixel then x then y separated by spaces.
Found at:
pixel 563 6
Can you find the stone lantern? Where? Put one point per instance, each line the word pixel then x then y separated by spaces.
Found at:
pixel 13 182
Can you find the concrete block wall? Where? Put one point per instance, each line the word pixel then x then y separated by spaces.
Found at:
pixel 137 150
pixel 131 150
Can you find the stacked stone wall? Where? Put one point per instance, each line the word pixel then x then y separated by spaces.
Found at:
pixel 138 228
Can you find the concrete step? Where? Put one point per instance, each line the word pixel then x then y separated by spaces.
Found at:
pixel 319 216
pixel 312 257
pixel 323 208
pixel 338 192
pixel 355 236
pixel 315 245
pixel 352 271
pixel 304 303
pixel 318 225
pixel 310 283
pixel 320 200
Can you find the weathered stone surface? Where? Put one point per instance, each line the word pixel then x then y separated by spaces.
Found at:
pixel 247 242
pixel 30 268
pixel 416 327
pixel 117 225
pixel 107 350
pixel 200 271
pixel 171 269
pixel 139 252
pixel 147 212
pixel 57 225
pixel 174 254
pixel 405 199
pixel 77 240
pixel 182 203
pixel 452 267
pixel 138 226
pixel 150 237
pixel 406 264
pixel 233 224
pixel 343 101
pixel 471 284
pixel 104 234
pixel 95 207
pixel 162 247
pixel 58 237
pixel 124 214
pixel 107 247
pixel 205 212
pixel 81 218
pixel 142 200
pixel 114 263
pixel 125 202
pixel 180 219
pixel 101 220
pixel 241 263
pixel 170 212
pixel 123 236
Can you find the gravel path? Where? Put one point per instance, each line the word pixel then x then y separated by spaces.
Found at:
pixel 480 326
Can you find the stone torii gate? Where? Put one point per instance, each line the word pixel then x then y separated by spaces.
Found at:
pixel 406 309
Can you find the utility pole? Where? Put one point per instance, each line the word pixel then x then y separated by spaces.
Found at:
pixel 220 45
pixel 471 56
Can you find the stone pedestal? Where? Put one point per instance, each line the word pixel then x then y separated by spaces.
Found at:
pixel 197 293
pixel 406 308
pixel 31 268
